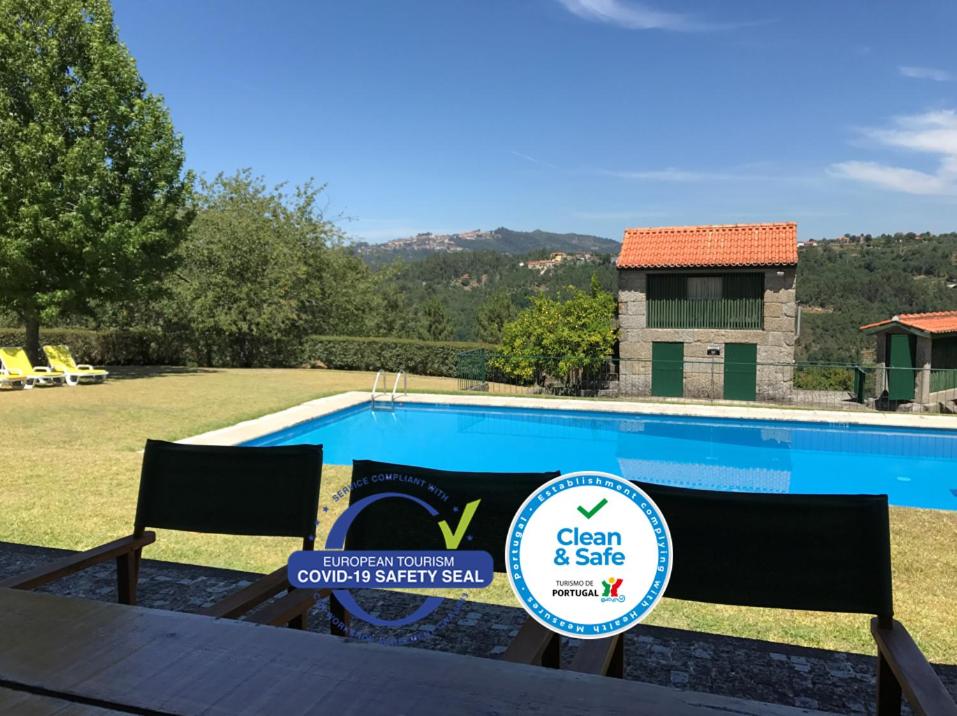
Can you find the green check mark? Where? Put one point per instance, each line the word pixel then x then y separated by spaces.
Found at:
pixel 594 510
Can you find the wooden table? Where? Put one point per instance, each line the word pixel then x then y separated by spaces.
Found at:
pixel 25 703
pixel 146 660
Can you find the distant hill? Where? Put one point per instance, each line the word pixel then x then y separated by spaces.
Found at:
pixel 843 283
pixel 500 240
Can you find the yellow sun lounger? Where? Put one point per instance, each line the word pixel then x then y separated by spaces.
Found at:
pixel 61 360
pixel 12 381
pixel 16 363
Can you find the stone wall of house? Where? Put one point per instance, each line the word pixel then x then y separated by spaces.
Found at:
pixel 704 374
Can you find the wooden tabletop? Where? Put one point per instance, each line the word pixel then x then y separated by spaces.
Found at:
pixel 24 703
pixel 175 663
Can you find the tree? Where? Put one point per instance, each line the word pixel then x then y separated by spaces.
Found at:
pixel 92 190
pixel 261 269
pixel 568 341
pixel 435 323
pixel 393 314
pixel 493 314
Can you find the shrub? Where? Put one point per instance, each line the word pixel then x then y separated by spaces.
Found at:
pixel 823 377
pixel 153 347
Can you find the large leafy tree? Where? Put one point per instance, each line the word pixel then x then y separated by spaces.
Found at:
pixel 92 189
pixel 261 269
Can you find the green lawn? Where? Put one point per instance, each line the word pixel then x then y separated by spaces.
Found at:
pixel 71 464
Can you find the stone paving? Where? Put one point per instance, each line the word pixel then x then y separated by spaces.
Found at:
pixel 745 668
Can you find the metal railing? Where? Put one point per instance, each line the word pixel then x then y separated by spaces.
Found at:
pixel 380 376
pixel 804 384
pixel 732 313
pixel 375 385
pixel 395 386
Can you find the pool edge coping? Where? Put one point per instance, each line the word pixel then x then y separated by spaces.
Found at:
pixel 273 422
pixel 310 410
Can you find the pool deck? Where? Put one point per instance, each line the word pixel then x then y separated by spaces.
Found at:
pixel 257 427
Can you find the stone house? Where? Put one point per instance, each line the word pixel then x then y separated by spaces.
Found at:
pixel 708 311
pixel 917 359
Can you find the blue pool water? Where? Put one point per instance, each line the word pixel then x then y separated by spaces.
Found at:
pixel 914 467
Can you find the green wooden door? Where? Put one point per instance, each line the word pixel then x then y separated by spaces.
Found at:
pixel 740 371
pixel 667 369
pixel 900 366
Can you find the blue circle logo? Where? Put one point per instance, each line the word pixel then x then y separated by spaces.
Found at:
pixel 589 555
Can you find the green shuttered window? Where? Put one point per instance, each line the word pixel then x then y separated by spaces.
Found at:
pixel 693 300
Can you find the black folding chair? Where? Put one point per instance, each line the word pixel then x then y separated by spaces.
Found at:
pixel 262 491
pixel 400 524
pixel 828 553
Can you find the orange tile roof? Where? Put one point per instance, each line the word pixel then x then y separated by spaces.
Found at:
pixel 935 322
pixel 710 246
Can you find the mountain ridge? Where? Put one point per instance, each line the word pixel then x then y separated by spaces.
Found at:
pixel 501 240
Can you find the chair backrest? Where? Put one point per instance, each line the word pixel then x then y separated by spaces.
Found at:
pixel 267 491
pixel 60 358
pixel 826 553
pixel 15 359
pixel 401 524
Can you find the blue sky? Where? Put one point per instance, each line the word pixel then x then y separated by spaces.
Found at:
pixel 571 115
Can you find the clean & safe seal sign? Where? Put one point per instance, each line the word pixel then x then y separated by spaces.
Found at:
pixel 589 555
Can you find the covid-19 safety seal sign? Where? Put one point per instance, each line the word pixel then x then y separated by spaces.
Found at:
pixel 589 555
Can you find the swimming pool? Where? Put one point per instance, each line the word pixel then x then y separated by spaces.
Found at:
pixel 914 467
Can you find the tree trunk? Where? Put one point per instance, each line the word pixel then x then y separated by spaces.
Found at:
pixel 31 324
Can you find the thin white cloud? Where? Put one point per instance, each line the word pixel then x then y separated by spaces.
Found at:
pixel 910 181
pixel 761 171
pixel 633 15
pixel 629 15
pixel 533 160
pixel 933 133
pixel 671 174
pixel 925 73
pixel 753 171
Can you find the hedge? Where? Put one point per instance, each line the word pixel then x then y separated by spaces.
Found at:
pixel 391 354
pixel 107 347
pixel 151 347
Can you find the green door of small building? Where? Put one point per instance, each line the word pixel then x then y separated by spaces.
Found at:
pixel 740 371
pixel 900 366
pixel 667 369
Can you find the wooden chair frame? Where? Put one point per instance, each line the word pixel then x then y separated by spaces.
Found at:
pixel 289 610
pixel 903 670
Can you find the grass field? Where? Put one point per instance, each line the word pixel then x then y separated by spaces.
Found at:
pixel 70 469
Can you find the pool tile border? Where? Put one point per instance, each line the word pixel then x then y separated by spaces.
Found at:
pixel 257 427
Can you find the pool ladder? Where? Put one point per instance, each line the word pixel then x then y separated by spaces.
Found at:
pixel 380 376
